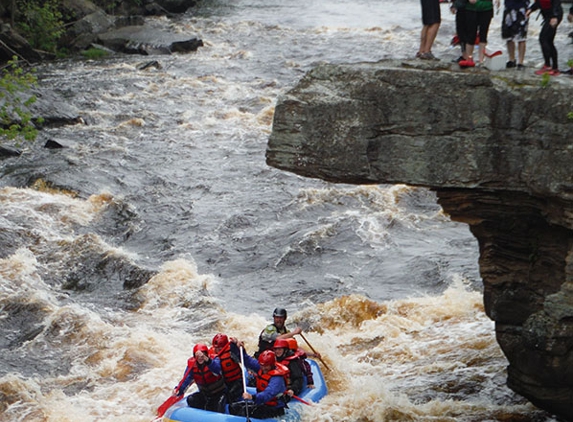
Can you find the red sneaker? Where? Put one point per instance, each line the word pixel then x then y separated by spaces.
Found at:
pixel 466 63
pixel 554 72
pixel 545 69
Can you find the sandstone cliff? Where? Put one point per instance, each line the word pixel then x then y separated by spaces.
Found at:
pixel 497 148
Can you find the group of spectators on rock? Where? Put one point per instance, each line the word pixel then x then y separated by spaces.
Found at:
pixel 473 18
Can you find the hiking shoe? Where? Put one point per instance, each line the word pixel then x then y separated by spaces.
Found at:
pixel 467 63
pixel 459 59
pixel 554 72
pixel 520 66
pixel 428 56
pixel 545 69
pixel 510 64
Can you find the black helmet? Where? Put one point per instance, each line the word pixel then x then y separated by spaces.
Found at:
pixel 280 312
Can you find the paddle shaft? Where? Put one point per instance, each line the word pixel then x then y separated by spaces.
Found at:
pixel 313 350
pixel 301 400
pixel 244 382
pixel 243 368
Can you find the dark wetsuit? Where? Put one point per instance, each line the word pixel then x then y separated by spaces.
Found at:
pixel 547 34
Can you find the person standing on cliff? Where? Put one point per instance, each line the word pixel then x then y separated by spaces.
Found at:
pixel 458 7
pixel 514 29
pixel 431 20
pixel 479 14
pixel 552 13
pixel 570 19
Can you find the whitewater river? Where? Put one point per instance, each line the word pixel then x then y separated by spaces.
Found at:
pixel 166 180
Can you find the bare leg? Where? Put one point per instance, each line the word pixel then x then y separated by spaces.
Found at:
pixel 470 50
pixel 423 37
pixel 429 33
pixel 482 47
pixel 511 50
pixel 521 51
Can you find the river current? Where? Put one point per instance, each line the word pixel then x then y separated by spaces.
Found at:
pixel 166 178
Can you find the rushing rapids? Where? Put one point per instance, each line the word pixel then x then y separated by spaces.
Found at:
pixel 159 224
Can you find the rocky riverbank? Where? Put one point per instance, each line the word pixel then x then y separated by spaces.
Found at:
pixel 91 27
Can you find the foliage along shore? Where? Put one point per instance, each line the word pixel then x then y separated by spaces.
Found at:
pixel 36 30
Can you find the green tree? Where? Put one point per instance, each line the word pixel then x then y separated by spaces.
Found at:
pixel 41 23
pixel 15 100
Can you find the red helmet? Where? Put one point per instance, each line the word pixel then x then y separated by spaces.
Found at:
pixel 280 343
pixel 220 340
pixel 292 344
pixel 267 358
pixel 200 347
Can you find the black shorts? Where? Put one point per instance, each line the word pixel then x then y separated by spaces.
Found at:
pixel 478 23
pixel 431 12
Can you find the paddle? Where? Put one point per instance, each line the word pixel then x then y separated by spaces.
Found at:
pixel 495 53
pixel 166 405
pixel 301 400
pixel 244 382
pixel 313 350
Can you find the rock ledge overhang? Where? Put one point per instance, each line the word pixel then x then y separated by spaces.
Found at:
pixel 497 148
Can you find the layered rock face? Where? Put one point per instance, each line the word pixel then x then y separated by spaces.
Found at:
pixel 497 148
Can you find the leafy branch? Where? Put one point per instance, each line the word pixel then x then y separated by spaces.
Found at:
pixel 15 101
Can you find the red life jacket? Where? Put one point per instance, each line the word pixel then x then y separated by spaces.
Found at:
pixel 211 352
pixel 545 4
pixel 300 353
pixel 231 369
pixel 207 382
pixel 263 380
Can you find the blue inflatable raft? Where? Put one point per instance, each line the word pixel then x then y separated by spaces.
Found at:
pixel 180 412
